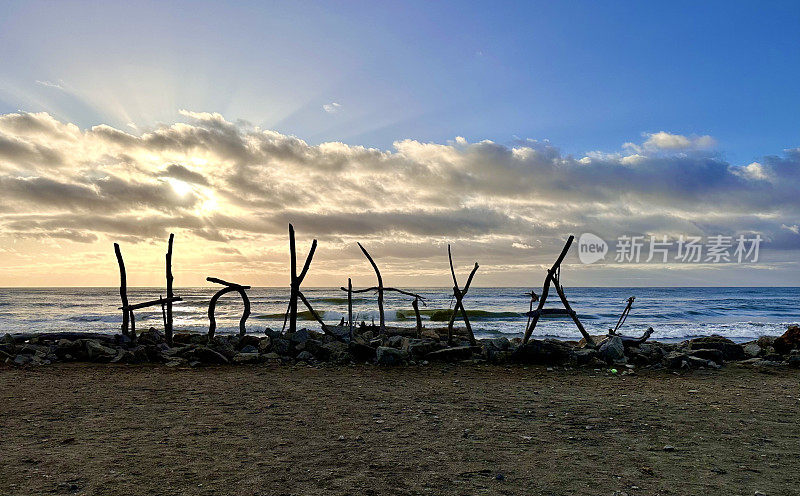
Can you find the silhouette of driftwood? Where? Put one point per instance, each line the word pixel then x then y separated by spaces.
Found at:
pixel 623 317
pixel 459 294
pixel 554 277
pixel 414 304
pixel 350 307
pixel 123 288
pixel 295 293
pixel 379 288
pixel 168 313
pixel 128 319
pixel 212 305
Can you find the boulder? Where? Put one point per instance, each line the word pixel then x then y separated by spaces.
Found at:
pixel 151 336
pixel 385 355
pixel 281 346
pixel 248 349
pixel 793 361
pixel 246 357
pixel 547 351
pixel 765 341
pixel 299 336
pixel 730 350
pixel 451 354
pixel 204 354
pixel 264 344
pixel 248 340
pixel 712 354
pixel 675 359
pixel 335 351
pixel 22 360
pixel 305 356
pixel 612 349
pixel 751 349
pixel 421 347
pixel 395 341
pixel 583 356
pixel 96 352
pixel 790 340
pixel 361 351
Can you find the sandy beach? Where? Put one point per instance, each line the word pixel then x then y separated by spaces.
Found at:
pixel 436 429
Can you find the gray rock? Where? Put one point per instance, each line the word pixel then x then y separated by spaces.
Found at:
pixel 730 350
pixel 385 355
pixel 96 352
pixel 712 354
pixel 204 354
pixel 249 349
pixel 584 356
pixel 612 349
pixel 281 346
pixel 362 351
pixel 675 359
pixel 793 361
pixel 751 349
pixel 150 336
pixel 264 344
pixel 421 347
pixel 450 354
pixel 305 356
pixel 22 360
pixel 548 351
pixel 246 357
pixel 300 336
pixel 177 362
pixel 336 351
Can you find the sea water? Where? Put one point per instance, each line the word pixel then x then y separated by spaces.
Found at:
pixel 674 313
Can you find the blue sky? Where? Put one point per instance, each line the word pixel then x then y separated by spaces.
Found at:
pixel 585 75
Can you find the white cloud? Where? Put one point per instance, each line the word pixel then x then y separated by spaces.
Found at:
pixel 664 141
pixel 332 107
pixel 50 84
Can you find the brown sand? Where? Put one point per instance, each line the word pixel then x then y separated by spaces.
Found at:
pixel 126 430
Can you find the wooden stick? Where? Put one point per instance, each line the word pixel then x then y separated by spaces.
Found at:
pixel 380 288
pixel 316 316
pixel 168 319
pixel 293 283
pixel 212 307
pixel 350 306
pixel 375 288
pixel 459 296
pixel 151 303
pixel 415 306
pixel 226 283
pixel 546 289
pixel 123 288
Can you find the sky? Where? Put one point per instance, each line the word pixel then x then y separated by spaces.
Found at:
pixel 500 128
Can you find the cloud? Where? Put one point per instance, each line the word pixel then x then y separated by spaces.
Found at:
pixel 332 107
pixel 218 181
pixel 664 141
pixel 49 84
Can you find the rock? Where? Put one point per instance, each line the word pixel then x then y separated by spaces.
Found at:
pixel 765 341
pixel 272 334
pixel 150 336
pixel 751 349
pixel 790 340
pixel 264 344
pixel 281 346
pixel 501 343
pixel 548 351
pixel 96 352
pixel 450 354
pixel 421 347
pixel 204 354
pixel 361 351
pixel 583 356
pixel 612 349
pixel 336 351
pixel 675 359
pixel 299 336
pixel 793 361
pixel 247 357
pixel 305 356
pixel 430 334
pixel 22 360
pixel 123 356
pixel 712 354
pixel 395 342
pixel 248 340
pixel 385 355
pixel 177 362
pixel 730 350
pixel 248 349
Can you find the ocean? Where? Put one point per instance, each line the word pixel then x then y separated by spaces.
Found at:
pixel 674 313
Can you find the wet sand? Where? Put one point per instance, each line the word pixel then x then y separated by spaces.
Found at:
pixel 437 429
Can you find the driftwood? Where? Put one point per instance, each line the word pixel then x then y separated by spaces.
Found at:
pixel 123 288
pixel 459 294
pixel 295 293
pixel 212 305
pixel 128 319
pixel 168 313
pixel 379 288
pixel 631 341
pixel 414 304
pixel 554 277
pixel 350 307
